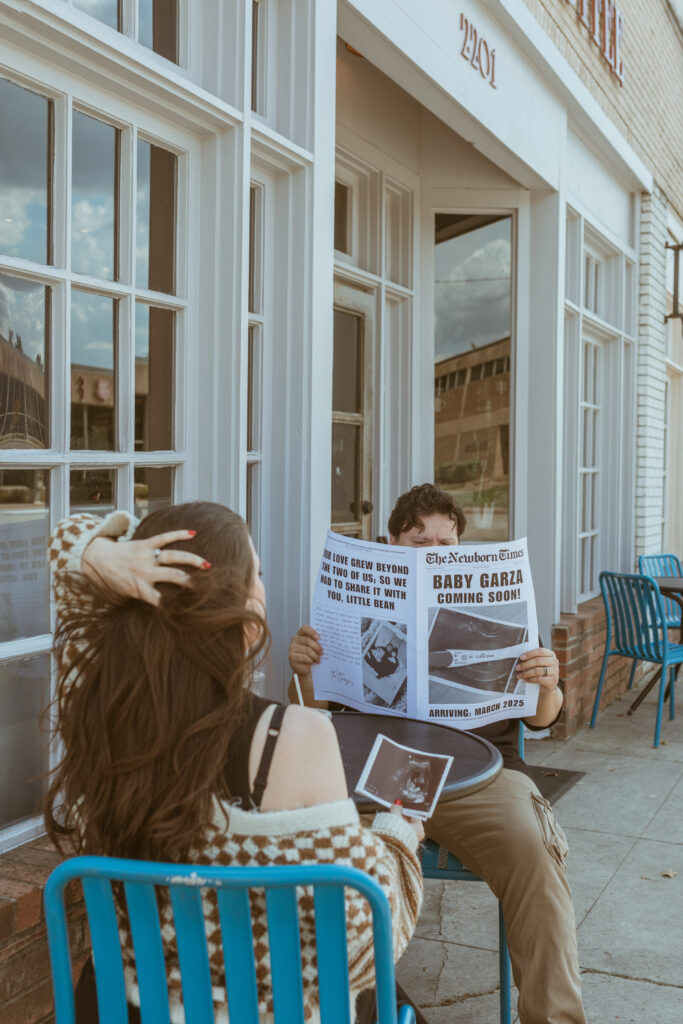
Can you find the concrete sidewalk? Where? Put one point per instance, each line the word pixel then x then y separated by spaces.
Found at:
pixel 624 823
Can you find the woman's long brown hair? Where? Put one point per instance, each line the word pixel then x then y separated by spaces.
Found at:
pixel 149 697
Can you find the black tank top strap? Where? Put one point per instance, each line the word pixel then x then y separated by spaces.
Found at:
pixel 261 779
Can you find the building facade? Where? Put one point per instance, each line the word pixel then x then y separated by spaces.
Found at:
pixel 228 271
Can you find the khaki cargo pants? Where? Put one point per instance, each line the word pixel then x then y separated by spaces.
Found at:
pixel 507 834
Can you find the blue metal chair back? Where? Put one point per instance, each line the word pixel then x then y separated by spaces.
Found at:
pixel 664 565
pixel 635 616
pixel 184 884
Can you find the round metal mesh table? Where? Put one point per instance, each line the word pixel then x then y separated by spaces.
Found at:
pixel 476 762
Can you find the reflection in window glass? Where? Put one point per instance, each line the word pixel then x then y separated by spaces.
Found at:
pixel 342 195
pixel 156 214
pixel 24 392
pixel 254 502
pixel 254 389
pixel 92 490
pixel 94 199
pixel 158 27
pixel 345 472
pixel 153 489
pixel 346 376
pixel 93 376
pixel 24 529
pixel 24 694
pixel 106 11
pixel 473 316
pixel 154 369
pixel 25 173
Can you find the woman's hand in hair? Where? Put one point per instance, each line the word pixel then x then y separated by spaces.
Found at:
pixel 132 568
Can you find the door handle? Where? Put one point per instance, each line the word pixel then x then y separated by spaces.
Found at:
pixel 366 508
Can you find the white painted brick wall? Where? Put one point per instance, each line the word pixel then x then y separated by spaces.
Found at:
pixel 650 379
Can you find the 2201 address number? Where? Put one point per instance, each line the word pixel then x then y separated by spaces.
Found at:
pixel 477 52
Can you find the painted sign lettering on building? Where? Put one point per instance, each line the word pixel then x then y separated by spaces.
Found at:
pixel 477 52
pixel 605 22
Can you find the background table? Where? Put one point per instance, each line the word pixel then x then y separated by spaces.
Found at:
pixel 476 762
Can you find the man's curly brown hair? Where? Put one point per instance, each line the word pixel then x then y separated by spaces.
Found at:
pixel 424 500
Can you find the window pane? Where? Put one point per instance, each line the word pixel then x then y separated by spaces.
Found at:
pixel 153 489
pixel 106 11
pixel 342 195
pixel 345 472
pixel 254 501
pixel 24 693
pixel 24 529
pixel 93 377
pixel 156 217
pixel 94 198
pixel 255 254
pixel 158 27
pixel 25 173
pixel 254 390
pixel 24 392
pixel 473 320
pixel 92 490
pixel 348 347
pixel 154 377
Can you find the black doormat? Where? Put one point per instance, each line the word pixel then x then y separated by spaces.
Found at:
pixel 553 782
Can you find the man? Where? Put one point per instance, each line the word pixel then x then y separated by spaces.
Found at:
pixel 505 833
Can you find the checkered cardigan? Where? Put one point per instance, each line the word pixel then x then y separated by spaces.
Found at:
pixel 323 834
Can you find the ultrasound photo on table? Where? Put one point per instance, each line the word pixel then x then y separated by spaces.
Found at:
pixel 383 645
pixel 394 772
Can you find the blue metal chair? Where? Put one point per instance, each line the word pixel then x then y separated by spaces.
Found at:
pixel 454 870
pixel 635 613
pixel 184 884
pixel 664 565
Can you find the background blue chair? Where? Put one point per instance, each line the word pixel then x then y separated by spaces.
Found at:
pixel 636 628
pixel 664 565
pixel 454 870
pixel 231 885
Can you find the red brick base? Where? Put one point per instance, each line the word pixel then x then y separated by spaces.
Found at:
pixel 579 643
pixel 25 979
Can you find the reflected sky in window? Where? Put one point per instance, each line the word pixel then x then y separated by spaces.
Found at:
pixel 472 289
pixel 93 197
pixel 106 11
pixel 92 330
pixel 22 315
pixel 23 173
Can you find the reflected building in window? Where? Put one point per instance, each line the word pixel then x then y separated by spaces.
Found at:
pixel 473 345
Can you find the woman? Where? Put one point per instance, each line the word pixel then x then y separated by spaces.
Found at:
pixel 169 756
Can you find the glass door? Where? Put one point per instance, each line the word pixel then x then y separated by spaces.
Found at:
pixel 352 412
pixel 473 346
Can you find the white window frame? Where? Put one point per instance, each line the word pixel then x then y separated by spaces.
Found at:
pixel 59 459
pixel 612 330
pixel 374 178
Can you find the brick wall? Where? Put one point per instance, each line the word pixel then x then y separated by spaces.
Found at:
pixel 579 643
pixel 648 108
pixel 25 980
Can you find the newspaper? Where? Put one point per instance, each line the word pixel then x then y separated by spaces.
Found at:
pixel 429 633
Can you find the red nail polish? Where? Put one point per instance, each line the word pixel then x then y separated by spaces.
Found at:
pixel 398 803
pixel 206 565
pixel 192 533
